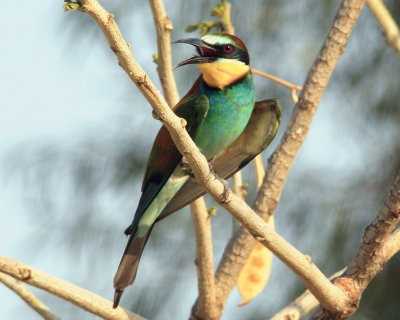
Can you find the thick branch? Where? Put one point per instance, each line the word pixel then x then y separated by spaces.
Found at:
pixel 20 289
pixel 387 23
pixel 65 290
pixel 164 61
pixel 281 161
pixel 303 114
pixel 306 302
pixel 367 262
pixel 206 308
pixel 379 244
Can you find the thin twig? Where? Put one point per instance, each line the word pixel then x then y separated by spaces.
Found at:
pixel 226 22
pixel 164 60
pixel 204 261
pixel 293 87
pixel 20 289
pixel 80 297
pixel 387 23
pixel 301 305
pixel 238 185
pixel 239 247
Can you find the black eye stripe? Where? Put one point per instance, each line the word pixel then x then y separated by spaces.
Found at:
pixel 236 53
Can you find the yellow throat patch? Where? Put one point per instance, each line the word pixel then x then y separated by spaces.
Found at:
pixel 220 74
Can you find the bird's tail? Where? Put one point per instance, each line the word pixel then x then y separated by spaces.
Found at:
pixel 128 266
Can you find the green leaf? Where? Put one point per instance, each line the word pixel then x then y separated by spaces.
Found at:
pixel 71 6
pixel 212 211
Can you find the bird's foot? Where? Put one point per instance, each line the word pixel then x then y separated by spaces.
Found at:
pixel 226 193
pixel 186 168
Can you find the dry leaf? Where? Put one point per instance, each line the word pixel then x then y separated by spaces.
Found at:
pixel 256 271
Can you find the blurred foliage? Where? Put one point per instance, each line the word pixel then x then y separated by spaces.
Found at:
pixel 81 195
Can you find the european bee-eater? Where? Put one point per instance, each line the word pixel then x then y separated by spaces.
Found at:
pixel 217 109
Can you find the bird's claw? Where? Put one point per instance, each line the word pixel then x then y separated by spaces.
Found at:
pixel 225 194
pixel 186 169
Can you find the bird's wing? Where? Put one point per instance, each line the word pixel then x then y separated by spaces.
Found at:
pixel 258 134
pixel 164 156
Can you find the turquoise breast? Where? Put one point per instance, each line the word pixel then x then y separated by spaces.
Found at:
pixel 230 110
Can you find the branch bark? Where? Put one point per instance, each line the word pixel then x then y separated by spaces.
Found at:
pixel 226 22
pixel 20 289
pixel 206 308
pixel 378 245
pixel 387 23
pixel 164 61
pixel 306 302
pixel 80 297
pixel 301 305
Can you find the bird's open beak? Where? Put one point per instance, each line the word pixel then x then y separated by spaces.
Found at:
pixel 206 52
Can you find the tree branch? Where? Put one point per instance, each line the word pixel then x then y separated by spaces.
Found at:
pixel 379 244
pixel 225 19
pixel 293 87
pixel 65 290
pixel 206 308
pixel 238 186
pixel 301 305
pixel 387 23
pixel 306 302
pixel 368 261
pixel 239 247
pixel 164 60
pixel 20 289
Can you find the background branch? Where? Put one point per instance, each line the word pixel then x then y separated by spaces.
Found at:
pixel 387 23
pixel 206 308
pixel 225 19
pixel 378 245
pixel 164 61
pixel 20 289
pixel 301 305
pixel 201 219
pixel 65 290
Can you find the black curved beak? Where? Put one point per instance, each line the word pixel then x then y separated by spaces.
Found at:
pixel 206 52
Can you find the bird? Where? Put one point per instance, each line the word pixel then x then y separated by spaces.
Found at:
pixel 256 137
pixel 217 109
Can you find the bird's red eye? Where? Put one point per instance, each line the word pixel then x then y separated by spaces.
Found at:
pixel 228 48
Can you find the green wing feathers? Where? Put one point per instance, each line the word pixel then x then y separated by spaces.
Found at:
pixel 163 178
pixel 258 134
